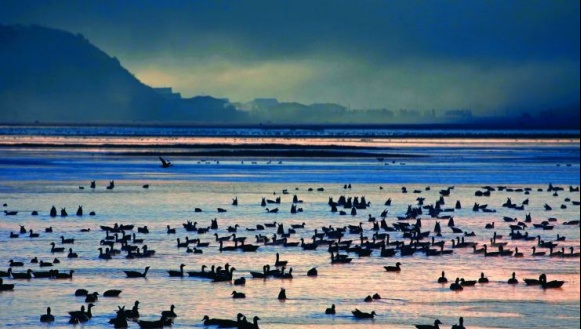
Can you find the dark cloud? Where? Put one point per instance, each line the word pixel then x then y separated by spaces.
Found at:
pixel 407 53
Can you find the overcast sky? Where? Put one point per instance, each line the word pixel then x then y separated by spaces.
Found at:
pixel 489 56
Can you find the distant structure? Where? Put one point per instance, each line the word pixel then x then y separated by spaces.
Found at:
pixel 167 93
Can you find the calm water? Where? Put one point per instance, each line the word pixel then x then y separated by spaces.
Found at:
pixel 35 178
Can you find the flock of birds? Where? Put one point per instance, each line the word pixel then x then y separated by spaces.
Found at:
pixel 120 241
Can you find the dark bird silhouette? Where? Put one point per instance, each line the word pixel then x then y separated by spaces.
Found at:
pixel 436 325
pixel 363 315
pixel 282 294
pixel 395 268
pixel 330 310
pixel 112 293
pixel 46 318
pixel 135 274
pixel 165 163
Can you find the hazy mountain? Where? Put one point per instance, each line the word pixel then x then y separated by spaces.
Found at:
pixel 48 75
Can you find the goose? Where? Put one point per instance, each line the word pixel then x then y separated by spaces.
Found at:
pixel 171 230
pixel 135 274
pixel 165 163
pixel 15 264
pixel 72 254
pixel 45 264
pixel 456 286
pixel 63 276
pixel 133 313
pixel 112 293
pixel 14 235
pixel 550 284
pixel 330 310
pixel 170 313
pixel 513 279
pixel 282 294
pixel 46 318
pixel 538 253
pixel 92 298
pixel 55 249
pixel 179 273
pixel 308 246
pixel 156 324
pixel 5 287
pixel 362 315
pixel 81 292
pixel 238 295
pixel 21 276
pixel 436 325
pixel 460 324
pixel 313 272
pixel 67 241
pixel 244 324
pixel 82 316
pixel 227 248
pixel 279 262
pixel 221 323
pixel 518 254
pixel 104 255
pixel 34 260
pixel 240 281
pixel 376 296
pixel 395 268
pixel 483 279
pixel 201 274
pixel 368 299
pixel 490 254
pixel 467 283
pixel 120 321
pixel 443 278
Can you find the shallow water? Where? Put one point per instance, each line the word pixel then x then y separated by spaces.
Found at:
pixel 36 179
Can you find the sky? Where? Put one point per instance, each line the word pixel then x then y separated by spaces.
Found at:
pixel 493 57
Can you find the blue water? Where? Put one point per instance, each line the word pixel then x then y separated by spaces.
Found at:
pixel 35 178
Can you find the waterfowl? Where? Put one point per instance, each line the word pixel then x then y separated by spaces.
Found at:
pixel 550 284
pixel 14 235
pixel 483 279
pixel 490 254
pixel 456 286
pixel 92 298
pixel 279 262
pixel 112 293
pixel 135 274
pixel 64 276
pixel 443 278
pixel 518 254
pixel 171 230
pixel 67 241
pixel 237 295
pixel 179 273
pixel 221 323
pixel 34 260
pixel 15 264
pixel 368 299
pixel 156 324
pixel 240 281
pixel 330 310
pixel 55 249
pixel 72 254
pixel 45 264
pixel 104 255
pixel 165 163
pixel 362 315
pixel 81 292
pixel 46 318
pixel 170 313
pixel 460 324
pixel 282 294
pixel 513 279
pixel 395 268
pixel 436 325
pixel 313 272
pixel 538 253
pixel 20 276
pixel 5 287
pixel 467 283
pixel 81 316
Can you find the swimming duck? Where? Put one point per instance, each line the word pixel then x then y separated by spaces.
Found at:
pixel 46 318
pixel 330 310
pixel 237 295
pixel 483 279
pixel 395 268
pixel 513 279
pixel 363 315
pixel 170 313
pixel 436 325
pixel 443 278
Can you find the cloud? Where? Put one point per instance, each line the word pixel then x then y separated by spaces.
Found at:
pixel 484 55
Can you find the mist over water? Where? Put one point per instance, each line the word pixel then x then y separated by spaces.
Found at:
pixel 40 176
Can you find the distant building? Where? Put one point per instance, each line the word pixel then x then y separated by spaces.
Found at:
pixel 167 93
